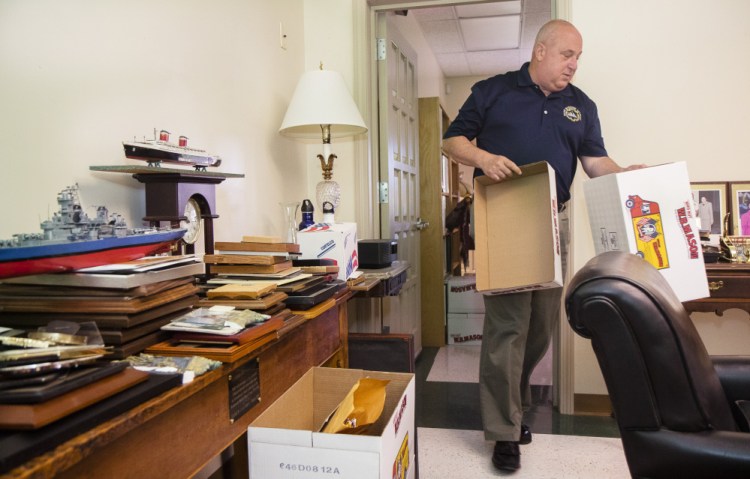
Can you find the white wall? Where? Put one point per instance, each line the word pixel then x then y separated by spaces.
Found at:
pixel 79 77
pixel 328 39
pixel 668 80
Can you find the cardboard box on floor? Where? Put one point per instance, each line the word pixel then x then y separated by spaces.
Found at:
pixel 284 441
pixel 516 232
pixel 462 295
pixel 465 328
pixel 650 212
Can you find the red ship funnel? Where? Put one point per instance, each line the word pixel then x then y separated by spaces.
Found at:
pixel 183 141
pixel 164 135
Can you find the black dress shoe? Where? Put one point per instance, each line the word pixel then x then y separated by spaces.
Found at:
pixel 525 437
pixel 506 456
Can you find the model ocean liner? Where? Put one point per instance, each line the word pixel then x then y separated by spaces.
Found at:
pixel 161 150
pixel 72 240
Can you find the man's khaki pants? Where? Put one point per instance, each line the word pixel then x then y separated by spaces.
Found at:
pixel 517 332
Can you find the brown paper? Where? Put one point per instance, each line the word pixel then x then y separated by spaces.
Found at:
pixel 361 407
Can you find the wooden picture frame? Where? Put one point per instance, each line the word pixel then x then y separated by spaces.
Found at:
pixel 710 201
pixel 739 194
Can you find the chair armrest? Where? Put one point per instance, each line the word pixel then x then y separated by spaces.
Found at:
pixel 698 455
pixel 734 375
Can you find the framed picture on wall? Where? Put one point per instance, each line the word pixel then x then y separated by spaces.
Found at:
pixel 739 194
pixel 710 201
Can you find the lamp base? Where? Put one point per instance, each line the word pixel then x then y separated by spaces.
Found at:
pixel 328 190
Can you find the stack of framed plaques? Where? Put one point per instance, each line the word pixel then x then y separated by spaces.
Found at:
pixel 128 307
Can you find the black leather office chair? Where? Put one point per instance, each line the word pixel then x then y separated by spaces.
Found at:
pixel 675 406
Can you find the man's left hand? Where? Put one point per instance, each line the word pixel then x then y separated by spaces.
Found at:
pixel 634 167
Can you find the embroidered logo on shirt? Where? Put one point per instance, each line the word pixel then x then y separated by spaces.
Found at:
pixel 572 114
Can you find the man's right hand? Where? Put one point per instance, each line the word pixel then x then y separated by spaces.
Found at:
pixel 498 167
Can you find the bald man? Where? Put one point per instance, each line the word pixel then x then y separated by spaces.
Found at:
pixel 517 118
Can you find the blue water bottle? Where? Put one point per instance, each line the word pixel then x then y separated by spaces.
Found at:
pixel 307 215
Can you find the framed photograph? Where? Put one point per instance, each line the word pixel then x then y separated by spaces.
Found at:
pixel 739 194
pixel 710 200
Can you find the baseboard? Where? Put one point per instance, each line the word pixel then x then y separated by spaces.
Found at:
pixel 592 405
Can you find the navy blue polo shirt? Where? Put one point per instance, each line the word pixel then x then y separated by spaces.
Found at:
pixel 509 115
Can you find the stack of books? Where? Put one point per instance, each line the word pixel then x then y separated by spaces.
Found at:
pixel 257 262
pixel 128 302
pixel 246 273
pixel 253 255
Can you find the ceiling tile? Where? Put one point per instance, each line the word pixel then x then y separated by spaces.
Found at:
pixel 441 31
pixel 495 9
pixel 453 64
pixel 530 27
pixel 491 33
pixel 443 36
pixel 431 14
pixel 493 62
pixel 537 6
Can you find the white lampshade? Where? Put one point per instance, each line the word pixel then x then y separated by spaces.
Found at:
pixel 322 98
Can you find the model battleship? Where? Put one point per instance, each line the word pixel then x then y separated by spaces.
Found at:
pixel 71 240
pixel 160 150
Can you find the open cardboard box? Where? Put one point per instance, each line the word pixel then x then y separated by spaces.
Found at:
pixel 516 232
pixel 284 441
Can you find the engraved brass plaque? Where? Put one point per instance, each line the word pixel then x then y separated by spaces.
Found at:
pixel 244 389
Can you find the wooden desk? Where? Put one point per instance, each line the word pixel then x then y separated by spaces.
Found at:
pixel 381 310
pixel 383 282
pixel 177 433
pixel 729 284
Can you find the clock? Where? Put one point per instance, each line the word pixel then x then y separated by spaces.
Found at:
pixel 192 221
pixel 183 198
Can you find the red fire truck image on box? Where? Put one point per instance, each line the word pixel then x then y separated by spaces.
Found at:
pixel 649 232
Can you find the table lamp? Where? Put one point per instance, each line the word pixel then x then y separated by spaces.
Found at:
pixel 323 107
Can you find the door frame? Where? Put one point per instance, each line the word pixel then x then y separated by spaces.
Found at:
pixel 366 173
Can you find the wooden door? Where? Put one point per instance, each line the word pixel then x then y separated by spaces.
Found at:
pixel 399 170
pixel 435 202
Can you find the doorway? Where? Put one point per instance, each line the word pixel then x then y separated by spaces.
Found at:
pixel 366 21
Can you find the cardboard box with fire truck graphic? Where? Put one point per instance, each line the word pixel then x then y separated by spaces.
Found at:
pixel 650 213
